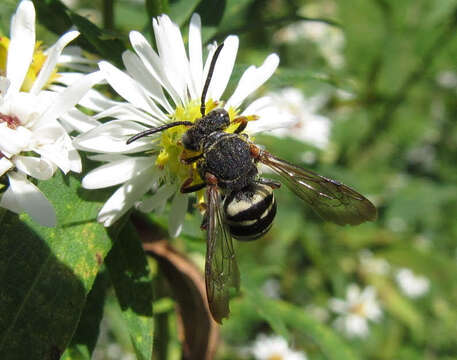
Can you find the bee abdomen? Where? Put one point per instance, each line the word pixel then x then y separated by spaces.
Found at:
pixel 249 213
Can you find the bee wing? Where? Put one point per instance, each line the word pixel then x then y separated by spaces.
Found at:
pixel 329 198
pixel 221 270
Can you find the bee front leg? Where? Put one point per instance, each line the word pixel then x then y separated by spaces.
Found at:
pixel 242 121
pixel 192 159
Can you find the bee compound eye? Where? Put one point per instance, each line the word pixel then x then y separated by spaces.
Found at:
pixel 189 142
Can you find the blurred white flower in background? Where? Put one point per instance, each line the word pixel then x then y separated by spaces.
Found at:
pixel 319 313
pixel 447 79
pixel 328 39
pixel 373 264
pixel 274 348
pixel 309 126
pixel 356 311
pixel 32 141
pixel 413 286
pixel 161 87
pixel 271 288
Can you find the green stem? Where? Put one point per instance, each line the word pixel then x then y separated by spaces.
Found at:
pixel 108 14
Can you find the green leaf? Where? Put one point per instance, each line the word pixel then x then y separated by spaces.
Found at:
pixel 156 7
pixel 83 342
pixel 59 19
pixel 132 281
pixel 105 44
pixel 53 15
pixel 180 11
pixel 280 314
pixel 46 273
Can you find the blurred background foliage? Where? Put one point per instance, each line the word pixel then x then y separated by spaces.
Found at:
pixel 386 73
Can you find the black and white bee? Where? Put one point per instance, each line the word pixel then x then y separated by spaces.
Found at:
pixel 240 203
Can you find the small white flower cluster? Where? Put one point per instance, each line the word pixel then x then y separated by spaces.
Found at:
pixel 33 143
pixel 354 313
pixel 274 348
pixel 412 285
pixel 308 125
pixel 361 306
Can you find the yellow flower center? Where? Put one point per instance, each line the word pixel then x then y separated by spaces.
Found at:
pixel 275 357
pixel 358 309
pixel 35 67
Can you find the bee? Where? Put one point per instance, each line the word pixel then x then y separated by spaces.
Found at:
pixel 241 204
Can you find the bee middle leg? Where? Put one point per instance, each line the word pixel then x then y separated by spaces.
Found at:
pixel 186 186
pixel 271 183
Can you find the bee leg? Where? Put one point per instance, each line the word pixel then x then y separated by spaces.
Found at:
pixel 204 224
pixel 192 159
pixel 243 122
pixel 187 188
pixel 271 183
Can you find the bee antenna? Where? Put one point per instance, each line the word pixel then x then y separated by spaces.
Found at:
pixel 158 129
pixel 208 79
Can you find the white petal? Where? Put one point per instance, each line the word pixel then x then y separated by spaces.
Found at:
pixel 116 172
pixel 38 168
pixel 172 54
pixel 353 293
pixel 54 144
pixel 271 117
pixel 224 67
pixel 158 200
pixel 5 165
pixel 136 68
pixel 107 157
pixel 125 86
pixel 13 141
pixel 177 213
pixel 356 326
pixel 22 44
pixel 24 196
pixel 338 305
pixel 94 100
pixel 195 57
pixel 78 121
pixel 51 61
pixel 126 111
pixel 124 197
pixel 111 138
pixel 71 96
pixel 152 63
pixel 4 85
pixel 252 79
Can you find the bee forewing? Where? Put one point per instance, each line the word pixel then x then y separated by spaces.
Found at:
pixel 329 198
pixel 221 270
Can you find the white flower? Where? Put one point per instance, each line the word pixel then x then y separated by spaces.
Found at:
pixel 373 264
pixel 329 39
pixel 272 288
pixel 308 126
pixel 413 286
pixel 274 348
pixel 160 87
pixel 355 312
pixel 32 141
